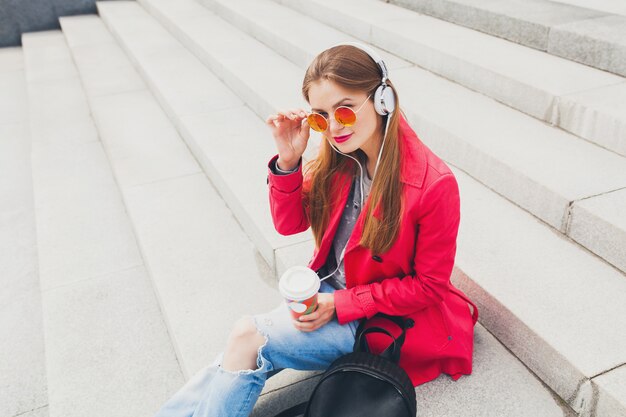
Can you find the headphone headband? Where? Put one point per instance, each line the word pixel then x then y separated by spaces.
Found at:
pixel 384 97
pixel 377 58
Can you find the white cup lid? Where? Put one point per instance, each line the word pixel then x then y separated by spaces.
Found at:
pixel 299 283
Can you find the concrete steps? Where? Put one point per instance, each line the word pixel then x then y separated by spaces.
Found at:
pixel 102 325
pixel 581 31
pixel 275 395
pixel 204 110
pixel 23 388
pixel 157 113
pixel 202 299
pixel 541 343
pixel 198 256
pixel 579 99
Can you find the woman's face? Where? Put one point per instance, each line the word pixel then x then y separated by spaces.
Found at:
pixel 325 96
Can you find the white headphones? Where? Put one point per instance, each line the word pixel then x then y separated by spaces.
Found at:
pixel 384 97
pixel 384 104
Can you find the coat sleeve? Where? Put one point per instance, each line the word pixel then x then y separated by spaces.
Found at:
pixel 287 201
pixel 439 218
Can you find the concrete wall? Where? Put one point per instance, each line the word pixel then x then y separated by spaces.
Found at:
pixel 19 16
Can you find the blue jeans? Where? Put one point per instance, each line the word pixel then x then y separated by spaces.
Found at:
pixel 215 392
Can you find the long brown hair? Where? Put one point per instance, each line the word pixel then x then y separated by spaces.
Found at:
pixel 354 69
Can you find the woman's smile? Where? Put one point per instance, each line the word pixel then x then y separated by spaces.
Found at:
pixel 342 139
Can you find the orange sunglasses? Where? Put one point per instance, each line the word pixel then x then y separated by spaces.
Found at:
pixel 344 115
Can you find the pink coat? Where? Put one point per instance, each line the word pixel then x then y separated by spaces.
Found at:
pixel 412 279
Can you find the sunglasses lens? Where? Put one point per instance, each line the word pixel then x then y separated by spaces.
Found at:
pixel 346 116
pixel 317 122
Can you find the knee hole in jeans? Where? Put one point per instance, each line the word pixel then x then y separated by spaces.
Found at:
pixel 244 344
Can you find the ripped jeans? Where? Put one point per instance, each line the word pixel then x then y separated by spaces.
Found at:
pixel 215 392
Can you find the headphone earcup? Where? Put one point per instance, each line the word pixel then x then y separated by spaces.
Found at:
pixel 384 100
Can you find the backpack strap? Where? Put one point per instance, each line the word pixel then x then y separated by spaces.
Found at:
pixel 296 410
pixel 392 352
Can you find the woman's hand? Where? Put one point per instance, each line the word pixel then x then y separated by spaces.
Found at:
pixel 291 134
pixel 323 314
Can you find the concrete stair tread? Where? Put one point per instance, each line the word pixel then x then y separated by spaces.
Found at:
pixel 599 224
pixel 190 211
pixel 103 328
pixel 13 103
pixel 54 64
pixel 598 42
pixel 539 12
pixel 534 82
pixel 110 71
pixel 612 29
pixel 608 6
pixel 456 122
pixel 603 118
pixel 612 398
pixel 11 59
pixel 21 327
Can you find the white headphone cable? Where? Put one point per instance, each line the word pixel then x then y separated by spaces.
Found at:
pixel 338 264
pixel 343 252
pixel 360 169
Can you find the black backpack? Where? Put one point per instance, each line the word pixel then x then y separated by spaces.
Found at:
pixel 362 384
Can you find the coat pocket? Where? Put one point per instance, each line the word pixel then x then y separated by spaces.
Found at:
pixel 432 330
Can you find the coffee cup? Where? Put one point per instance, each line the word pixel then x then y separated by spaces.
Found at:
pixel 299 286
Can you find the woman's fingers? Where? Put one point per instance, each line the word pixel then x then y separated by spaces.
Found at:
pixel 305 326
pixel 313 321
pixel 298 114
pixel 309 326
pixel 283 114
pixel 310 317
pixel 292 114
pixel 277 119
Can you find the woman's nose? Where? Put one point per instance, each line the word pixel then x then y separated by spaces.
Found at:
pixel 335 126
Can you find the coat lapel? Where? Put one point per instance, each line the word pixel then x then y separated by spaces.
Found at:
pixel 412 172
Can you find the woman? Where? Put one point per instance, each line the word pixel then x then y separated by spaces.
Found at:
pixel 384 212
